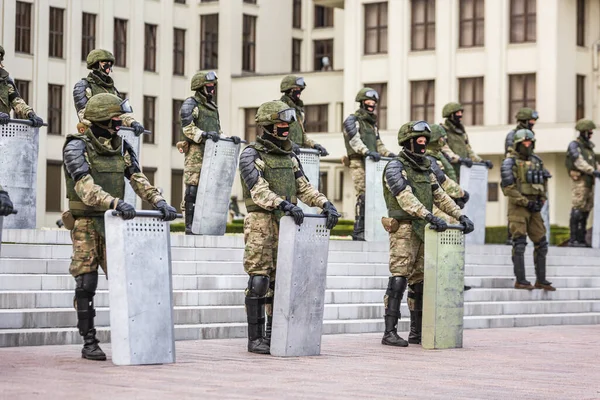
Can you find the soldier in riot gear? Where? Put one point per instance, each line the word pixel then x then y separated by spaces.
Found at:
pixel 458 150
pixel 100 62
pixel 10 99
pixel 292 87
pixel 272 181
pixel 525 184
pixel 6 205
pixel 410 190
pixel 96 163
pixel 583 169
pixel 362 140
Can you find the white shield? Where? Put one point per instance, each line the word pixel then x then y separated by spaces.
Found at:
pixel 19 145
pixel 214 188
pixel 475 181
pixel 299 301
pixel 136 143
pixel 375 206
pixel 138 255
pixel 310 160
pixel 1 223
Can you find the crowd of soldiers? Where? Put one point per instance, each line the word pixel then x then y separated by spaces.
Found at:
pixel 420 186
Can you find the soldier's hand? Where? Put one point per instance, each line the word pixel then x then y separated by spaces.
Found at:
pixel 127 210
pixel 138 129
pixel 597 174
pixel 467 162
pixel 467 224
pixel 4 118
pixel 293 211
pixel 321 150
pixel 235 139
pixel 332 215
pixel 375 156
pixel 169 212
pixel 36 121
pixel 437 224
pixel 534 206
pixel 214 136
pixel 461 201
pixel 6 206
pixel 295 148
pixel 547 174
pixel 488 164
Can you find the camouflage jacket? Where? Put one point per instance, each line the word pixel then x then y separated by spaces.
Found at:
pixel 10 98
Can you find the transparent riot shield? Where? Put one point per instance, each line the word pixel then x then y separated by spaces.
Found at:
pixel 299 301
pixel 138 255
pixel 443 301
pixel 19 144
pixel 135 142
pixel 214 188
pixel 310 160
pixel 375 207
pixel 475 181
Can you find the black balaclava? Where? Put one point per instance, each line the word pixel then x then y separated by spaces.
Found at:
pixel 586 135
pixel 209 91
pixel 275 134
pixel 294 94
pixel 415 150
pixel 107 128
pixel 369 109
pixel 525 151
pixel 456 118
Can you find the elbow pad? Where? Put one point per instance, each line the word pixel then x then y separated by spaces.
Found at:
pixel 394 178
pixel 506 172
pixel 74 159
pixel 248 170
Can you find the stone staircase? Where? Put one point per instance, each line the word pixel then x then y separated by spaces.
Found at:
pixel 36 291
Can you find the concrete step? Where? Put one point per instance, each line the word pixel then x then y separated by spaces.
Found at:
pixel 508 282
pixel 506 294
pixel 551 271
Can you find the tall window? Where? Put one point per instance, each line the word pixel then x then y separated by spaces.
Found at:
pixel 580 97
pixel 178 51
pixel 53 185
pixel 179 1
pixel 296 54
pixel 581 22
pixel 209 41
pixel 23 89
pixel 23 28
pixel 57 32
pixel 471 25
pixel 88 34
pixel 251 130
pixel 55 93
pixel 149 118
pixel 376 32
pixel 381 109
pixel 323 58
pixel 323 183
pixel 120 42
pixel 492 191
pixel 176 188
pixel 470 95
pixel 323 17
pixel 422 98
pixel 315 118
pixel 522 21
pixel 297 14
pixel 150 47
pixel 176 122
pixel 521 93
pixel 422 29
pixel 250 1
pixel 248 43
pixel 150 173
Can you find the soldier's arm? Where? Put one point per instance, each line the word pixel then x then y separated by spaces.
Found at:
pixel 442 200
pixel 81 94
pixel 471 154
pixel 509 183
pixel 449 186
pixel 351 130
pixel 381 149
pixel 21 108
pixel 304 190
pixel 128 119
pixel 450 155
pixel 139 182
pixel 189 113
pixel 251 170
pixel 397 182
pixel 578 160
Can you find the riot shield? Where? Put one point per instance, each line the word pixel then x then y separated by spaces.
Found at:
pixel 19 144
pixel 596 215
pixel 1 225
pixel 375 207
pixel 214 188
pixel 310 160
pixel 136 143
pixel 475 181
pixel 299 301
pixel 443 301
pixel 138 255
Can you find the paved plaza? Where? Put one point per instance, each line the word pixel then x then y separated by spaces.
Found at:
pixel 550 362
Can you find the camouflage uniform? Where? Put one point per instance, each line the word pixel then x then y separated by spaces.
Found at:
pixel 362 140
pixel 583 168
pixel 525 185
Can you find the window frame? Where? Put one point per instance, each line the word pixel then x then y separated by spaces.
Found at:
pixel 53 195
pixel 426 25
pixel 55 110
pixel 379 28
pixel 318 57
pixel 179 51
pixel 296 55
pixel 525 101
pixel 120 27
pixel 297 14
pixel 321 123
pixel 472 19
pixel 470 107
pixel 21 84
pixel 149 119
pixel 428 106
pixel 580 25
pixel 88 36
pixel 23 22
pixel 579 97
pixel 209 41
pixel 56 32
pixel 249 43
pixel 322 17
pixel 150 47
pixel 528 19
pixel 176 187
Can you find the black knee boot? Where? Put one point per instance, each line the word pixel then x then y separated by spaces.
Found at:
pixel 190 204
pixel 416 315
pixel 85 289
pixel 359 220
pixel 518 259
pixel 583 229
pixel 395 291
pixel 258 286
pixel 539 259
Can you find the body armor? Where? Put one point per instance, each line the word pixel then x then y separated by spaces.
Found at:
pixel 368 133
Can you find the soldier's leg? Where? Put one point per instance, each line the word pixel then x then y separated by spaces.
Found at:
pixel 415 292
pixel 190 203
pixel 578 209
pixel 191 177
pixel 537 232
pixel 518 228
pixel 357 171
pixel 271 293
pixel 589 204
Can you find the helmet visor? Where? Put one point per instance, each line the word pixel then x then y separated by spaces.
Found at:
pixel 421 126
pixel 372 94
pixel 211 76
pixel 300 81
pixel 534 115
pixel 126 107
pixel 288 115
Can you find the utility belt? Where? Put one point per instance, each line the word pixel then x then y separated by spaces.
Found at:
pixel 356 156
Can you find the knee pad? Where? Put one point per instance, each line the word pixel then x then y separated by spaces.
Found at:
pixel 258 285
pixel 86 284
pixel 542 246
pixel 190 193
pixel 396 286
pixel 577 213
pixel 519 245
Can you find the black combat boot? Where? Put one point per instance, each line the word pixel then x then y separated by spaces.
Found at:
pixel 85 290
pixel 91 350
pixel 539 259
pixel 518 259
pixel 359 220
pixel 577 228
pixel 258 286
pixel 190 204
pixel 416 315
pixel 395 291
pixel 583 229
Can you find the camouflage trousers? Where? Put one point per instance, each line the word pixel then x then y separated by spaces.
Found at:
pixel 89 248
pixel 582 197
pixel 407 252
pixel 522 222
pixel 357 172
pixel 192 163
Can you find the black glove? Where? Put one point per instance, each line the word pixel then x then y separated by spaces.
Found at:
pixel 36 121
pixel 295 148
pixel 4 118
pixel 293 210
pixel 461 201
pixel 6 206
pixel 547 174
pixel 332 215
pixel 127 210
pixel 393 155
pixel 375 156
pixel 467 224
pixel 488 164
pixel 169 212
pixel 321 149
pixel 235 139
pixel 467 162
pixel 597 174
pixel 212 135
pixel 437 224
pixel 534 206
pixel 138 128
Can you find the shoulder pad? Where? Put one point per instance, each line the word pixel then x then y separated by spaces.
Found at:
pixel 186 112
pixel 508 142
pixel 248 169
pixel 437 171
pixel 506 172
pixel 574 150
pixel 350 128
pixel 79 96
pixel 394 178
pixel 135 164
pixel 74 159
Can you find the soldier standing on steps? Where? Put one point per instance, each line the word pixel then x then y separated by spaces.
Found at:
pixel 410 190
pixel 96 163
pixel 272 181
pixel 525 185
pixel 6 206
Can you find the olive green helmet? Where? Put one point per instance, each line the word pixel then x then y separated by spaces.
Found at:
pixel 526 113
pixel 451 108
pixel 367 93
pixel 105 106
pixel 437 132
pixel 584 125
pixel 2 53
pixel 201 78
pixel 522 135
pixel 413 129
pixel 273 112
pixel 98 55
pixel 291 81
